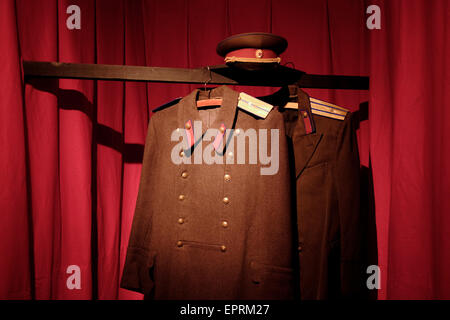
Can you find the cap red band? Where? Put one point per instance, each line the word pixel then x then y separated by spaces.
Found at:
pixel 252 53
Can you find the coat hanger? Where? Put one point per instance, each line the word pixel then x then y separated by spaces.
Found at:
pixel 211 101
pixel 292 102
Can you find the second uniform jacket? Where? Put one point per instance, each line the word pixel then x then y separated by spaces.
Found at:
pixel 326 179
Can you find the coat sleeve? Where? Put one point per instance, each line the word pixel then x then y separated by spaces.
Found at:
pixel 136 275
pixel 347 183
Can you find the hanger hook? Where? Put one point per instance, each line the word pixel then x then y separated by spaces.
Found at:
pixel 210 77
pixel 290 63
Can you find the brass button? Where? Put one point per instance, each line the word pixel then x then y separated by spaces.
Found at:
pixel 180 220
pixel 225 200
pixel 181 153
pixel 179 243
pixel 224 224
pixel 184 174
pixel 223 248
pixel 181 197
pixel 227 177
pixel 188 125
pixel 305 114
pixel 222 129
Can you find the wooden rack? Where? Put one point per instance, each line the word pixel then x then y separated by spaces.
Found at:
pixel 211 75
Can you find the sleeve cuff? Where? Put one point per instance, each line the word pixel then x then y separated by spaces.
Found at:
pixel 136 275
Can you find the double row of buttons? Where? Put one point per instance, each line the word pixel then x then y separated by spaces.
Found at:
pixel 226 177
pixel 225 200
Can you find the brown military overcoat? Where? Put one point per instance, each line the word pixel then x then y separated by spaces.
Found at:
pixel 211 231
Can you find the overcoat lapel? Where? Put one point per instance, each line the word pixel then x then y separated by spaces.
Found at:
pixel 304 148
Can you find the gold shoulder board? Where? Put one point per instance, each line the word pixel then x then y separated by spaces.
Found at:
pixel 327 109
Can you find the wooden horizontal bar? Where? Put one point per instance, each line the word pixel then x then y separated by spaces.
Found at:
pixel 214 75
pixel 334 82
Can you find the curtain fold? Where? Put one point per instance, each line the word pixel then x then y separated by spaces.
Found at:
pixel 409 147
pixel 15 225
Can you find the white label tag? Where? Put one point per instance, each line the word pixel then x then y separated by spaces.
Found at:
pixel 291 105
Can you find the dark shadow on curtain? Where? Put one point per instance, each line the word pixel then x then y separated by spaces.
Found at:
pixel 367 203
pixel 370 232
pixel 104 135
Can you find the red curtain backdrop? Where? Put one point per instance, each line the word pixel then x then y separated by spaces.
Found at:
pixel 71 149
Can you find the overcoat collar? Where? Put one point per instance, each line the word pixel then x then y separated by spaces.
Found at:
pixel 305 140
pixel 188 110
